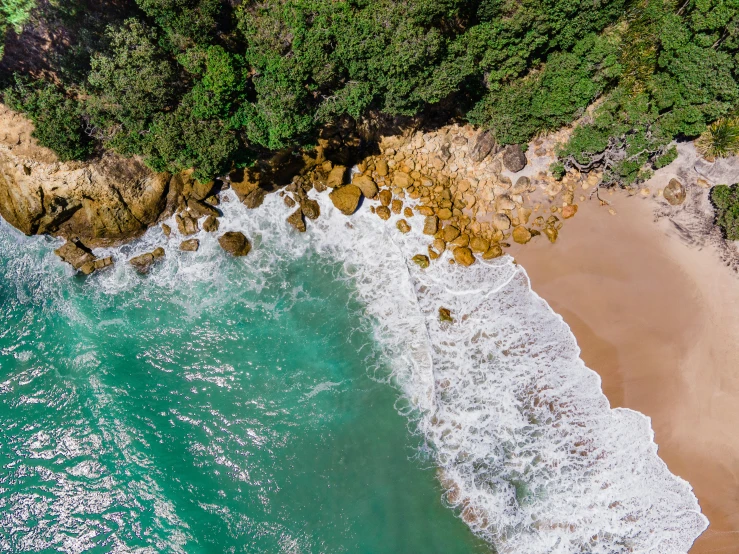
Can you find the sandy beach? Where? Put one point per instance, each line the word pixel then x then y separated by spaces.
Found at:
pixel 656 318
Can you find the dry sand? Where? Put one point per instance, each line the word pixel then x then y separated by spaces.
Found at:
pixel 658 319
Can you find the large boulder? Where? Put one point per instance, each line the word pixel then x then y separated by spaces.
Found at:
pixel 235 243
pixel 366 185
pixel 310 208
pixel 144 262
pixel 514 159
pixel 521 234
pixel 464 256
pixel 75 254
pixel 346 198
pixel 484 145
pixel 336 177
pixel 675 192
pixel 297 220
pixel 190 245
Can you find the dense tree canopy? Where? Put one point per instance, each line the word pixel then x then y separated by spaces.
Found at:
pixel 202 82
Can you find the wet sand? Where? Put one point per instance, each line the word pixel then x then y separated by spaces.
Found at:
pixel 659 321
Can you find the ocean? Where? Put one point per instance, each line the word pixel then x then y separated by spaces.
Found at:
pixel 307 399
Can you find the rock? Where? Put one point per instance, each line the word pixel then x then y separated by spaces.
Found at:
pixel 200 191
pixel 289 202
pixel 397 206
pixel 186 224
pixel 403 226
pixel 235 243
pixel 103 262
pixel 569 210
pixel 386 197
pixel 383 212
pixel 311 208
pixel 484 144
pixel 461 240
pixel 296 220
pixel 244 183
pixel 495 251
pixel 501 221
pixel 75 254
pixel 421 260
pixel 551 233
pixel 514 159
pixel 366 185
pixel 201 209
pixel 444 213
pixel 425 210
pixel 402 180
pixel 210 225
pixel 190 245
pixel 346 198
pixel 166 229
pixel 407 211
pixel 431 225
pixel 439 245
pixel 675 193
pixel 479 244
pixel 449 233
pixel 521 234
pixel 255 198
pixel 505 202
pixel 143 263
pixel 336 177
pixel 445 315
pixel 381 167
pixel 463 256
pixel 521 186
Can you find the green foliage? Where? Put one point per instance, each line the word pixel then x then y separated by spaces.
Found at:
pixel 720 139
pixel 57 118
pixel 185 22
pixel 725 200
pixel 13 13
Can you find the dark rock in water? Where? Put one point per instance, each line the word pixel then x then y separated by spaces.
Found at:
pixel 210 225
pixel 403 226
pixel 421 260
pixel 166 229
pixel 311 209
pixel 346 199
pixel 386 197
pixel 289 202
pixel 201 209
pixel 675 192
pixel 514 159
pixel 464 256
pixel 144 262
pixel 445 315
pixel 255 198
pixel 296 220
pixel 235 243
pixel 484 145
pixel 75 254
pixel 190 245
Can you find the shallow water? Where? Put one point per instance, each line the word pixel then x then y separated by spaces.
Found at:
pixel 299 400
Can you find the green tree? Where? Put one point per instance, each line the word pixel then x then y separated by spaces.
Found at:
pixel 725 200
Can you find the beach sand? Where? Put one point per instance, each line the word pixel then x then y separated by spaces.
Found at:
pixel 658 319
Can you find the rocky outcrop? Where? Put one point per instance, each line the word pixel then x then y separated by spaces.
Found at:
pixel 235 243
pixel 346 198
pixel 144 262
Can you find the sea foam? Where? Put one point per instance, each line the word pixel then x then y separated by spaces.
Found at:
pixel 530 453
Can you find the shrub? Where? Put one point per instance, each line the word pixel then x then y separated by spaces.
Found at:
pixel 725 201
pixel 720 139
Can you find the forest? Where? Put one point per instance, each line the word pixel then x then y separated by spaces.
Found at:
pixel 211 84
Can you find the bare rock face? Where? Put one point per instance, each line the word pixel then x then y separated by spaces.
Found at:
pixel 102 202
pixel 514 159
pixel 75 254
pixel 297 220
pixel 346 198
pixel 235 243
pixel 675 192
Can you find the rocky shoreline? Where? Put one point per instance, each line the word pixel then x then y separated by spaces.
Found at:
pixel 469 195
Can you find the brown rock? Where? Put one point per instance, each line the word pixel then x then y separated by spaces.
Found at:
pixel 421 260
pixel 186 224
pixel 449 233
pixel 310 208
pixel 484 145
pixel 143 263
pixel 210 225
pixel 402 180
pixel 403 226
pixel 551 233
pixel 521 186
pixel 397 206
pixel 461 240
pixel 255 198
pixel 439 245
pixel 235 243
pixel 75 254
pixel 479 244
pixel 425 210
pixel 386 197
pixel 346 198
pixel 366 185
pixel 505 202
pixel 190 245
pixel 501 221
pixel 521 234
pixel 569 210
pixel 381 167
pixel 407 211
pixel 675 193
pixel 495 251
pixel 464 256
pixel 336 177
pixel 201 209
pixel 296 220
pixel 289 202
pixel 514 159
pixel 444 213
pixel 166 229
pixel 431 225
pixel 445 315
pixel 383 212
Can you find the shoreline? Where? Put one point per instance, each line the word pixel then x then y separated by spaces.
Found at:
pixel 620 279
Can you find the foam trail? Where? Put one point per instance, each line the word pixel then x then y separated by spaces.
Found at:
pixel 529 449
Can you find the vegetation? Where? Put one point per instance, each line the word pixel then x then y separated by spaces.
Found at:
pixel 205 83
pixel 720 139
pixel 726 202
pixel 13 14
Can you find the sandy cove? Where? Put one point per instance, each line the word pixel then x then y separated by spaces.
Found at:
pixel 657 318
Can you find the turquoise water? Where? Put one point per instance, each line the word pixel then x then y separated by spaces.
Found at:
pixel 245 412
